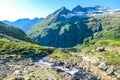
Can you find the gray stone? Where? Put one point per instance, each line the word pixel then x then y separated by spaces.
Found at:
pixel 27 78
pixel 31 64
pixel 17 72
pixel 110 70
pixel 99 78
pixel 26 71
pixel 103 66
pixel 93 50
pixel 83 75
pixel 117 73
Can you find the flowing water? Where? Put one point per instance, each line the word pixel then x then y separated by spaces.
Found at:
pixel 71 71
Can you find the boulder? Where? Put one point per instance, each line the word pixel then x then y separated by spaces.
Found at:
pixel 61 63
pixel 100 49
pixel 67 67
pixel 59 70
pixel 110 70
pixel 83 75
pixel 103 66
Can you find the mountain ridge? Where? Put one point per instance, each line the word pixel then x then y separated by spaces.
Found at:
pixel 24 23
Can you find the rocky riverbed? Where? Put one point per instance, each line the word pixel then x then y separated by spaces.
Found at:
pixel 26 69
pixel 44 67
pixel 29 69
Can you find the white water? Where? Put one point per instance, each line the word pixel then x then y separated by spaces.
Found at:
pixel 46 63
pixel 71 71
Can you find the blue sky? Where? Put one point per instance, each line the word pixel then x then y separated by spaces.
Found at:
pixel 15 9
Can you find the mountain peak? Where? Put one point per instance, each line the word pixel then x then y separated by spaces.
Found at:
pixel 63 8
pixel 77 8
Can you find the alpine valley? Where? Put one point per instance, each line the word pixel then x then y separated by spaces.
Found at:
pixel 78 44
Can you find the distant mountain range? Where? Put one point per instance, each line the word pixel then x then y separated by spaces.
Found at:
pixel 25 24
pixel 65 28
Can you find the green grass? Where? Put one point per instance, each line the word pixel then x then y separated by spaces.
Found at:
pixel 60 54
pixel 21 47
pixel 112 58
pixel 110 42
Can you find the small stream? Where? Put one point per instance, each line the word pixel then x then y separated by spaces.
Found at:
pixel 71 71
pixel 76 73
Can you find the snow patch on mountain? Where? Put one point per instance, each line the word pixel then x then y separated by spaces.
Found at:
pixel 88 11
pixel 69 15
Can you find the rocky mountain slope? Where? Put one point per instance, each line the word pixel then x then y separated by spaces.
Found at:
pixel 25 24
pixel 65 28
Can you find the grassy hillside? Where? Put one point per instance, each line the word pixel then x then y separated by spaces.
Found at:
pixel 111 55
pixel 15 41
pixel 105 26
pixel 8 47
pixel 8 32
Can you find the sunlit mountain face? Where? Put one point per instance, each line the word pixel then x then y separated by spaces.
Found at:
pixel 66 28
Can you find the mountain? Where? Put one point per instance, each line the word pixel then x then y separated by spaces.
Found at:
pixel 79 8
pixel 89 10
pixel 12 33
pixel 65 28
pixel 25 24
